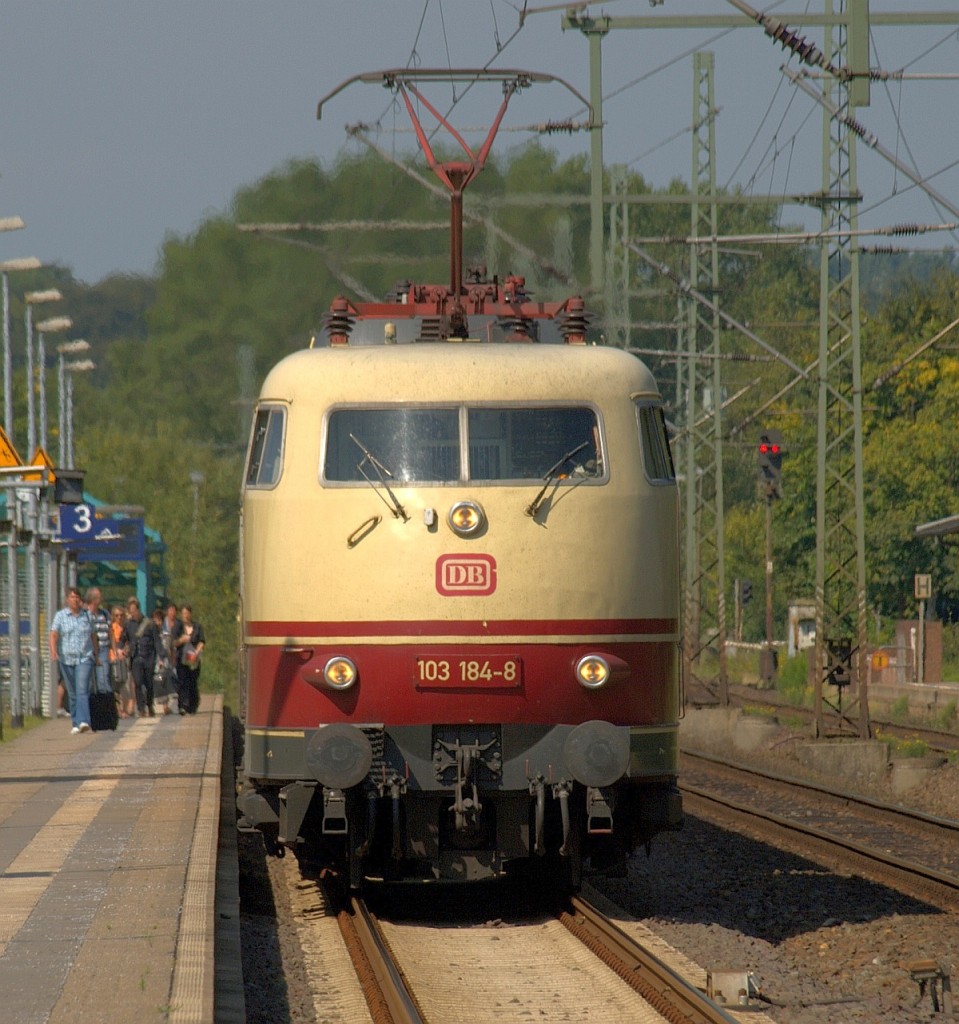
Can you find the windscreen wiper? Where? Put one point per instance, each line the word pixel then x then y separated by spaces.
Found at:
pixel 382 473
pixel 533 507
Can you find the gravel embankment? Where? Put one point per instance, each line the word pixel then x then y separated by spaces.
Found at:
pixel 826 948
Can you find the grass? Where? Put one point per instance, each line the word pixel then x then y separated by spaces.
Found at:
pixel 946 718
pixel 903 747
pixel 899 710
pixel 9 733
pixel 792 680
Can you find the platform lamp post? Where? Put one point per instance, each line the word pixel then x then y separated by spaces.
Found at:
pixel 54 325
pixel 77 347
pixel 9 267
pixel 32 299
pixel 11 224
pixel 39 512
pixel 197 479
pixel 77 366
pixel 68 564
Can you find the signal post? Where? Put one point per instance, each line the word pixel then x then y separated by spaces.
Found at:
pixel 770 467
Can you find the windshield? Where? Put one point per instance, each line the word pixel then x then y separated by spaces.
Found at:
pixel 447 445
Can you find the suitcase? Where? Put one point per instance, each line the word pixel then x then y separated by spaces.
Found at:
pixel 103 711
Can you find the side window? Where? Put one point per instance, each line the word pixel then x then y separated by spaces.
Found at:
pixel 657 458
pixel 266 447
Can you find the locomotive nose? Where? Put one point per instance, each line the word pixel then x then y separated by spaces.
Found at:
pixel 339 756
pixel 597 753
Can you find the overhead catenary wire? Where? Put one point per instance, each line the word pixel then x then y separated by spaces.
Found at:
pixel 789 237
pixel 869 138
pixel 686 288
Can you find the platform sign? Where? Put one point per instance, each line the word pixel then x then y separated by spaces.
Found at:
pixel 8 454
pixel 40 458
pixel 923 586
pixel 95 538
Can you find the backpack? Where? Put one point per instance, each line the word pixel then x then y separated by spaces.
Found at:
pixel 141 629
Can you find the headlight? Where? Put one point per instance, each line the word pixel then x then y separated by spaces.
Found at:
pixel 466 518
pixel 592 671
pixel 339 673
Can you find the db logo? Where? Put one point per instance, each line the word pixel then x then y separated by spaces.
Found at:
pixel 465 575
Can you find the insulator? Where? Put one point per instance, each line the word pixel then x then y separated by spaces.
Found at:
pixel 338 322
pixel 808 53
pixel 575 321
pixel 880 250
pixel 516 328
pixel 905 229
pixel 551 127
pixel 856 127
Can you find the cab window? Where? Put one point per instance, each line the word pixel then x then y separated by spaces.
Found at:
pixel 405 444
pixel 483 444
pixel 266 447
pixel 525 444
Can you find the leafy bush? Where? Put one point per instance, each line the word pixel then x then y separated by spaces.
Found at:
pixel 792 680
pixel 946 717
pixel 903 747
pixel 899 712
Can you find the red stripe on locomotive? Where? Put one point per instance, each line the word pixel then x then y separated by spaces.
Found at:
pixel 279 695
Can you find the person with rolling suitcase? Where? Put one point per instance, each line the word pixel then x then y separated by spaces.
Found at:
pixel 103 705
pixel 73 648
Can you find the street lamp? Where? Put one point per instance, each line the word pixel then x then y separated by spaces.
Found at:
pixel 77 366
pixel 53 325
pixel 32 299
pixel 197 479
pixel 68 348
pixel 8 267
pixel 16 718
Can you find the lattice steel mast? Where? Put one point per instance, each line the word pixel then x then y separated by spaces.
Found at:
pixel 705 581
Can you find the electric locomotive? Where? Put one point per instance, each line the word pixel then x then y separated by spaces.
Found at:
pixel 460 600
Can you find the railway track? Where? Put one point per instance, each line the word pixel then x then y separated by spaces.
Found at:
pixel 937 740
pixel 915 853
pixel 575 965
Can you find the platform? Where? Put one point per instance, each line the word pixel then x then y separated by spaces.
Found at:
pixel 110 909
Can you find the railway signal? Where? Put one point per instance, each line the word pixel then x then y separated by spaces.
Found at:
pixel 770 464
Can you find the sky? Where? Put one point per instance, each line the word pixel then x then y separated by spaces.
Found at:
pixel 123 122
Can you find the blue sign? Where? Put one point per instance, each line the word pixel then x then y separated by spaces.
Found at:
pixel 101 539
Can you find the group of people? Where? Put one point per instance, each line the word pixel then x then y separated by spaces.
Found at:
pixel 145 662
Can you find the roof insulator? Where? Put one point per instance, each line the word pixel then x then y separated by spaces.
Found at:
pixel 575 321
pixel 339 323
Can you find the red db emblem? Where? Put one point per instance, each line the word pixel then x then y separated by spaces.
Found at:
pixel 465 575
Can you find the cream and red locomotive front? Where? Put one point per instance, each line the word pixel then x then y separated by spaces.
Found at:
pixel 460 600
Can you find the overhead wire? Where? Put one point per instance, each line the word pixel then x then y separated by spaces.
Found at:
pixel 896 109
pixel 766 164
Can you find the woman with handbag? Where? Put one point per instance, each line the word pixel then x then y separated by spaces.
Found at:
pixel 119 666
pixel 189 643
